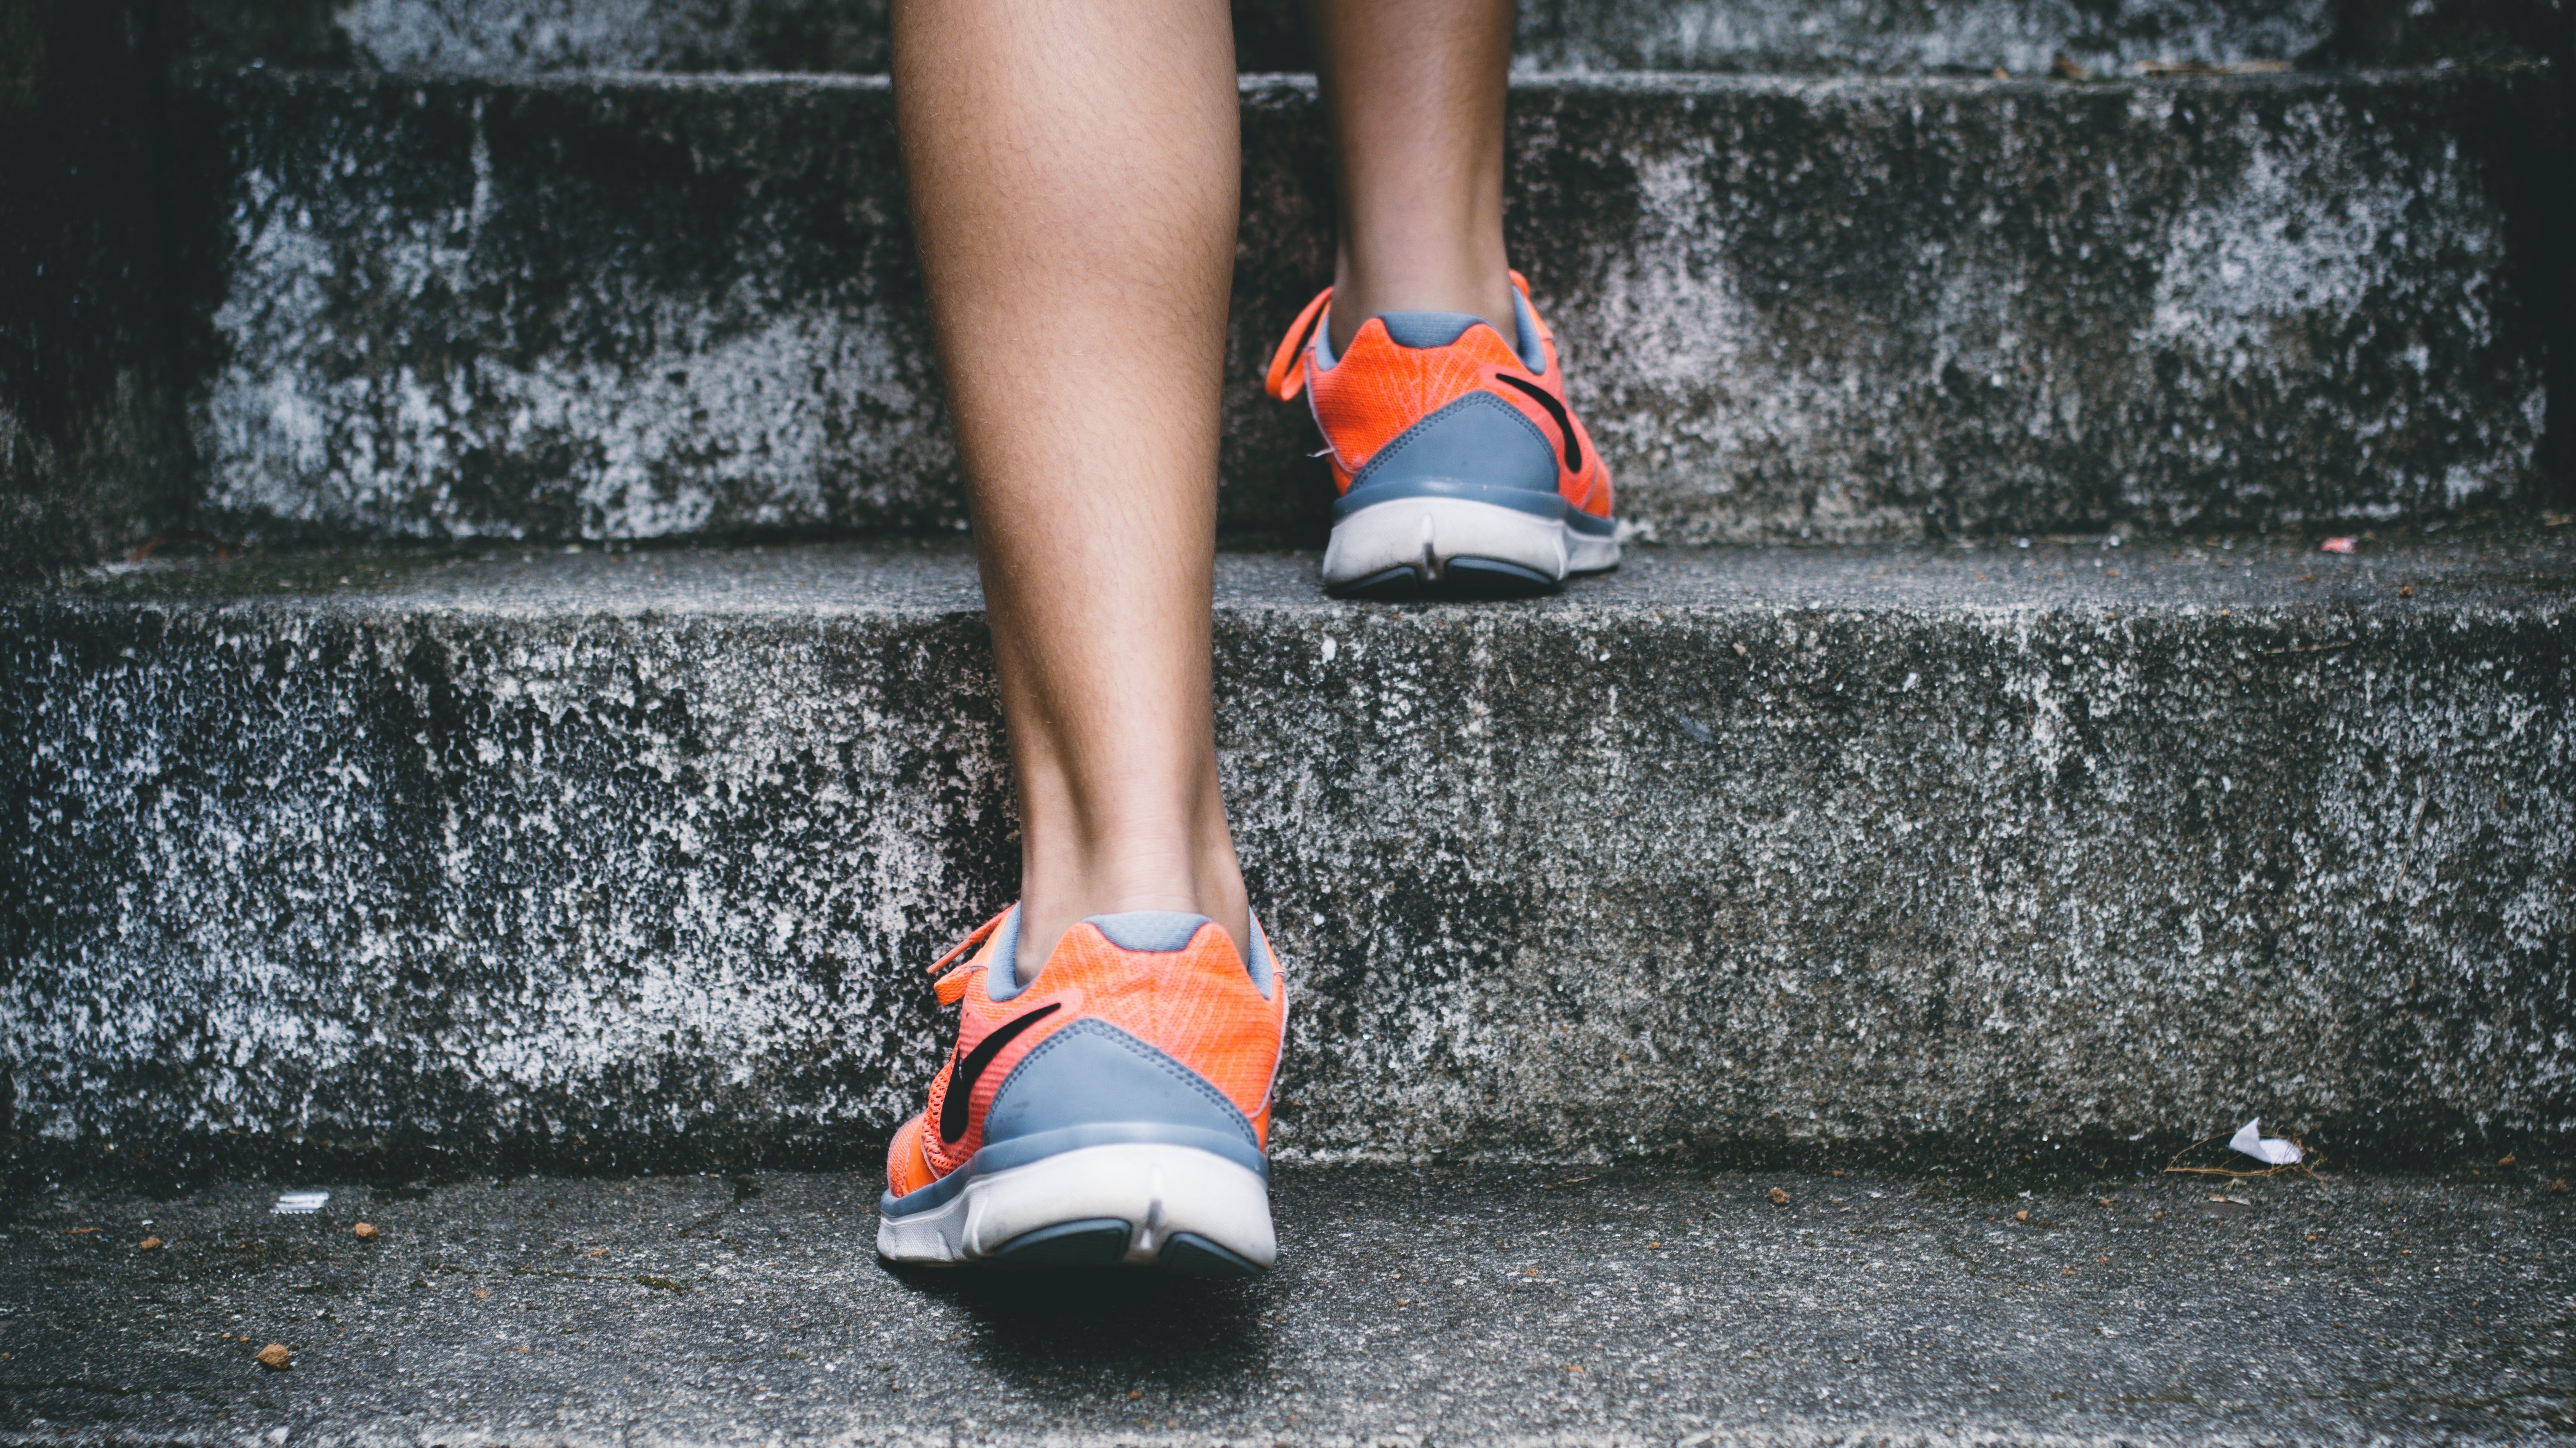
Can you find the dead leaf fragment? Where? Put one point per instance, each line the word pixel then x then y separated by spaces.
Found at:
pixel 2505 1160
pixel 365 1232
pixel 482 1292
pixel 148 1244
pixel 1779 1198
pixel 2559 1185
pixel 2022 1216
pixel 2068 68
pixel 274 1357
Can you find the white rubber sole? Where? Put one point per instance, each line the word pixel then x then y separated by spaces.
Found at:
pixel 1427 534
pixel 1163 1195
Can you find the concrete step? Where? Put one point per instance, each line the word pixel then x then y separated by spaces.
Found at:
pixel 1410 1307
pixel 1869 36
pixel 1927 852
pixel 641 307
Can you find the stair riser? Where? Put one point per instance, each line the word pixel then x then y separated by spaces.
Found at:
pixel 1792 310
pixel 533 36
pixel 1565 884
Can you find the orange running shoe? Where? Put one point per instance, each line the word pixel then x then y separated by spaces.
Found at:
pixel 1115 1109
pixel 1459 468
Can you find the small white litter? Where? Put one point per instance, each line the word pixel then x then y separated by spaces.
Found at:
pixel 2270 1150
pixel 298 1204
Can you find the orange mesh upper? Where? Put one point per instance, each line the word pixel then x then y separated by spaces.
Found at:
pixel 1197 1005
pixel 906 1169
pixel 1377 388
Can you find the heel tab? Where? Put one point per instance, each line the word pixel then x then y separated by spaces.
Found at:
pixel 1156 932
pixel 1427 331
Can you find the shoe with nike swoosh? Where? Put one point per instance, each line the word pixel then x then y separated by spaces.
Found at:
pixel 1460 468
pixel 1114 1109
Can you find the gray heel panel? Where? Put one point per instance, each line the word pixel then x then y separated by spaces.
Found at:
pixel 1092 1076
pixel 1478 439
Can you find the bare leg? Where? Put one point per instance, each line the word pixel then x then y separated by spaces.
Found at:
pixel 1415 89
pixel 1073 167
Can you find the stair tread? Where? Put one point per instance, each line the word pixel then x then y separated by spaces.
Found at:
pixel 1494 1306
pixel 2473 566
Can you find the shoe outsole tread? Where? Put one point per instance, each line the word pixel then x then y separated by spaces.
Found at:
pixel 1097 1242
pixel 1101 1242
pixel 1462 579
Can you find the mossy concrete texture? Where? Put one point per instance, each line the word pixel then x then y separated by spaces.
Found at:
pixel 1890 850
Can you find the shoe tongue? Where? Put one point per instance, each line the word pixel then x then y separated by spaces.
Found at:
pixel 1159 932
pixel 1428 329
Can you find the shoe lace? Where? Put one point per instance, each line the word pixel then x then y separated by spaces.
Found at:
pixel 1288 365
pixel 952 985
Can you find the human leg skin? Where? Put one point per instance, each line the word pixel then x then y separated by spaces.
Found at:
pixel 1073 167
pixel 1415 91
pixel 1460 466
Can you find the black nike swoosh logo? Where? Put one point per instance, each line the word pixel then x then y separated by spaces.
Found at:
pixel 961 1082
pixel 1555 413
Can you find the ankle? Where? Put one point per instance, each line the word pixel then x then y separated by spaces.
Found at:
pixel 1359 294
pixel 1054 901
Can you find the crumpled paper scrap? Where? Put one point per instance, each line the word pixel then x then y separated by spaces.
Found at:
pixel 2272 1150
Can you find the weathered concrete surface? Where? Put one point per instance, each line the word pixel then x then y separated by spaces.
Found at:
pixel 1410 1308
pixel 93 421
pixel 635 308
pixel 2023 36
pixel 645 308
pixel 1875 36
pixel 590 859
